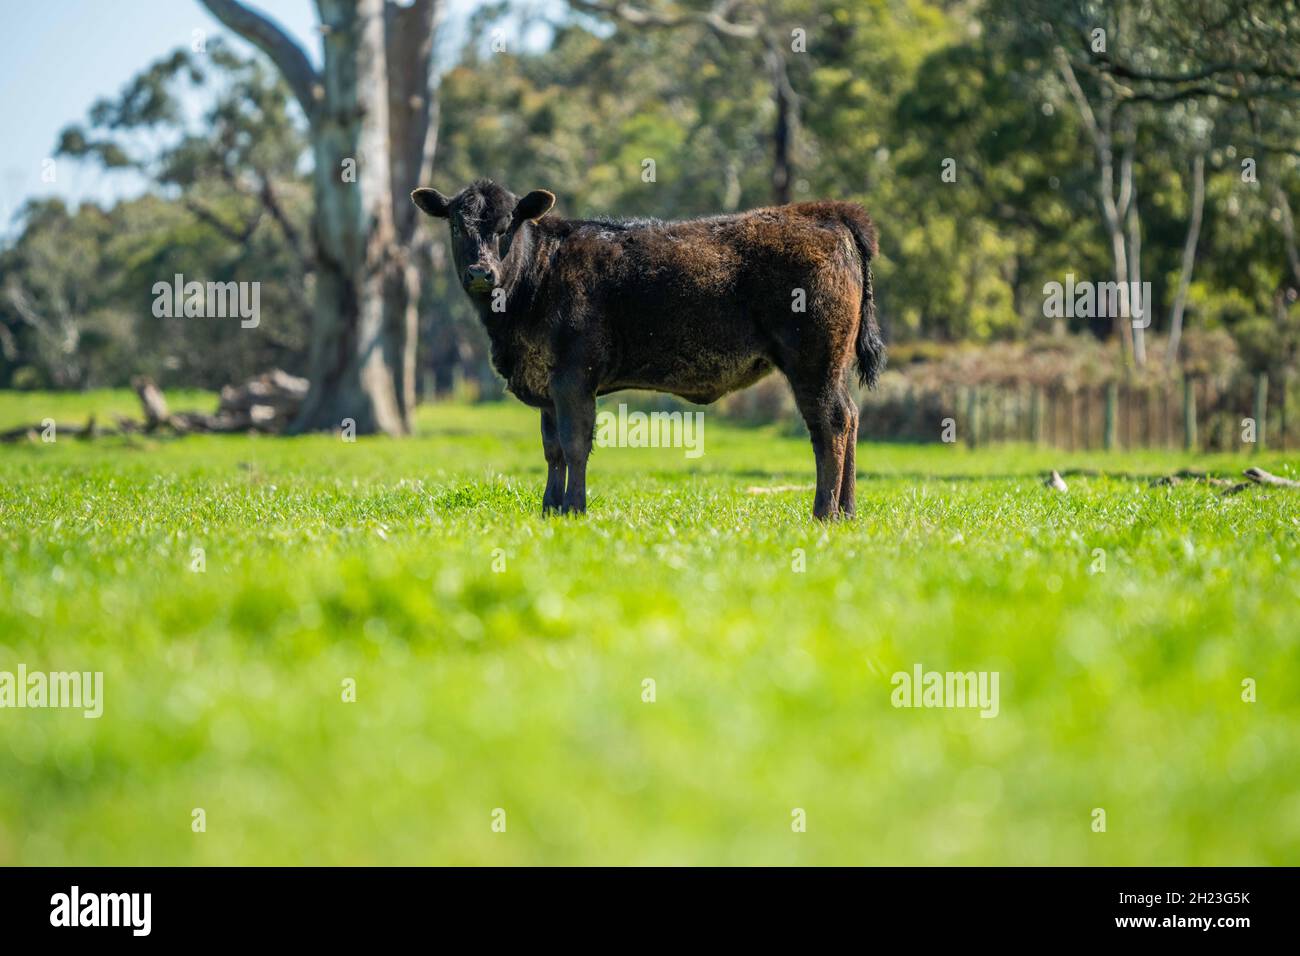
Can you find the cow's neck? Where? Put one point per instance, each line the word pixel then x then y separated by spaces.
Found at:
pixel 520 282
pixel 510 330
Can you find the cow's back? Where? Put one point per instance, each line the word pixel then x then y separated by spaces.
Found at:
pixel 706 306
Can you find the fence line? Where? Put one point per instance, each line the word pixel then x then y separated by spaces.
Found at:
pixel 1191 413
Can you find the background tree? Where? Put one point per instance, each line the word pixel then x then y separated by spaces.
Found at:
pixel 229 204
pixel 953 123
pixel 370 121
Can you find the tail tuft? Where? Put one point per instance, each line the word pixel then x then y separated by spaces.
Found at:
pixel 870 347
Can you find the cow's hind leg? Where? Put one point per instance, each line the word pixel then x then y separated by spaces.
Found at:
pixel 849 476
pixel 827 410
pixel 554 452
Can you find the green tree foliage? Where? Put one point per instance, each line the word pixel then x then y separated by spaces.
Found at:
pixel 957 125
pixel 77 292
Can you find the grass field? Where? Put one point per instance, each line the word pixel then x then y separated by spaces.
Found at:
pixel 499 658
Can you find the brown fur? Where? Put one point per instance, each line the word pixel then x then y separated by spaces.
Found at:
pixel 697 308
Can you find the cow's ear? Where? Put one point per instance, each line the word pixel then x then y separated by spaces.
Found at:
pixel 534 206
pixel 431 201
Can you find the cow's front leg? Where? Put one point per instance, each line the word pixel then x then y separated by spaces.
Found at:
pixel 553 498
pixel 575 416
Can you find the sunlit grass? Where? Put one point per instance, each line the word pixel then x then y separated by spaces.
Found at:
pixel 499 657
pixel 74 408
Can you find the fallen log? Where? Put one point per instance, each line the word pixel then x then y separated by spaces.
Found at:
pixel 269 402
pixel 266 403
pixel 1260 476
pixel 36 433
pixel 1195 477
pixel 151 400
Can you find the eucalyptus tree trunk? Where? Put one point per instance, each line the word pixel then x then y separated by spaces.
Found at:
pixel 413 132
pixel 1117 191
pixel 348 367
pixel 370 110
pixel 1189 258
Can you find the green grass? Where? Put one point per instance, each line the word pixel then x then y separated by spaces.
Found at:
pixel 73 408
pixel 522 688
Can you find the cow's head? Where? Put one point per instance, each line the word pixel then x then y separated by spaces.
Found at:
pixel 485 220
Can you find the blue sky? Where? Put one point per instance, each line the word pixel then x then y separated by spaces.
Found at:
pixel 59 56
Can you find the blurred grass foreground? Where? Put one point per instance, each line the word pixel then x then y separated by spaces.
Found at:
pixel 319 652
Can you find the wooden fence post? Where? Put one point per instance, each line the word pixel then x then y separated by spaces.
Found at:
pixel 972 416
pixel 1149 409
pixel 1189 413
pixel 1112 404
pixel 1286 384
pixel 1124 415
pixel 1166 414
pixel 1036 415
pixel 987 420
pixel 1261 410
pixel 1073 406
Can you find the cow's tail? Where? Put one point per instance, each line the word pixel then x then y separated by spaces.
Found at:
pixel 870 347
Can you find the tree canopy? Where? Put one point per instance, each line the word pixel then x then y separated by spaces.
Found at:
pixel 1000 147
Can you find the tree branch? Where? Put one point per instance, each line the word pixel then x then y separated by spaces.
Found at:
pixel 233 233
pixel 409 33
pixel 271 202
pixel 269 37
pixel 1109 65
pixel 1077 94
pixel 716 19
pixel 1189 259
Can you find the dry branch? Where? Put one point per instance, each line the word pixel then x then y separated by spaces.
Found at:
pixel 1262 477
pixel 267 403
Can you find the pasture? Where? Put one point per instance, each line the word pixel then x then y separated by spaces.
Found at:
pixel 500 658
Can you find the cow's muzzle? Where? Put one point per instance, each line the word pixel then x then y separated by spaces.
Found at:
pixel 479 278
